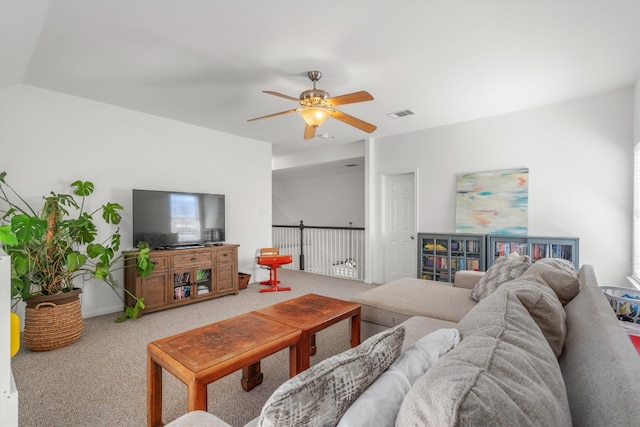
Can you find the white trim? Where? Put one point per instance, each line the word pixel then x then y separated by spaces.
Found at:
pixel 634 282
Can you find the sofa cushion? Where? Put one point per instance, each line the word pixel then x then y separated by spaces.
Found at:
pixel 320 395
pixel 560 274
pixel 503 270
pixel 503 372
pixel 395 302
pixel 418 326
pixel 380 403
pixel 543 306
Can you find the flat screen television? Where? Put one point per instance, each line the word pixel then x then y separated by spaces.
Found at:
pixel 170 219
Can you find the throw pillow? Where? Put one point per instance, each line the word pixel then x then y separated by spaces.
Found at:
pixel 560 275
pixel 320 395
pixel 543 306
pixel 503 270
pixel 503 373
pixel 379 404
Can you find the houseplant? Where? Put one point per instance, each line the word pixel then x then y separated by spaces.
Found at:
pixel 54 249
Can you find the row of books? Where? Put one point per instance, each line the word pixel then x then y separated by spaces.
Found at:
pixel 437 277
pixel 506 248
pixel 537 250
pixel 460 246
pixel 181 292
pixel 201 275
pixel 457 263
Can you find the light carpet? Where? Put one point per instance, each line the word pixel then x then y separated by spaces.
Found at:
pixel 101 379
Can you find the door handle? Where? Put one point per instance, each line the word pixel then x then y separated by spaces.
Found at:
pixel 412 237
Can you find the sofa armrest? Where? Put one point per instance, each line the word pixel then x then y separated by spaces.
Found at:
pixel 467 278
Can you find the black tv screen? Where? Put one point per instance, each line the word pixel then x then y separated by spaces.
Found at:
pixel 169 219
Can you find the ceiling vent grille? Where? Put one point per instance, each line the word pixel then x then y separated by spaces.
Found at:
pixel 402 113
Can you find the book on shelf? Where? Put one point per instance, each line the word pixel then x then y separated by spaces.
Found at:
pixel 180 292
pixel 181 278
pixel 203 275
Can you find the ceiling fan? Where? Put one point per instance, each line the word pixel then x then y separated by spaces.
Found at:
pixel 316 106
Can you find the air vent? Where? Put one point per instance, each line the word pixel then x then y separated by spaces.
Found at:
pixel 401 113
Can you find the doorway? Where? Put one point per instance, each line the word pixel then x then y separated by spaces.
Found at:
pixel 399 226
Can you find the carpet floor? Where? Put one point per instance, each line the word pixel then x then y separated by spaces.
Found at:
pixel 101 379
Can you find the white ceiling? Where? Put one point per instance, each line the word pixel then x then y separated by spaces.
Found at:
pixel 206 62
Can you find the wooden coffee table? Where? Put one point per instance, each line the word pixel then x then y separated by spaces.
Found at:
pixel 203 355
pixel 312 313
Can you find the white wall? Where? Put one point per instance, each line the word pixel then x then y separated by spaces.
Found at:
pixel 580 160
pixel 319 198
pixel 49 139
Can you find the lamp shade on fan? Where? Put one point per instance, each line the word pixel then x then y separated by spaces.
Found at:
pixel 314 116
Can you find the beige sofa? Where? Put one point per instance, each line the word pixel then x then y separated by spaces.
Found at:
pixel 511 340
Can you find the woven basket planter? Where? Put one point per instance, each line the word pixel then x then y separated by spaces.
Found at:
pixel 243 280
pixel 53 323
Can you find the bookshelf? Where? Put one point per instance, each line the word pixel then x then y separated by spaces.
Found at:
pixel 440 256
pixel 536 247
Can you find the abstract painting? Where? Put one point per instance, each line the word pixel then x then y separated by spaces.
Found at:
pixel 494 202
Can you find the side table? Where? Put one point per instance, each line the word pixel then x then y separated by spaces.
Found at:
pixel 312 313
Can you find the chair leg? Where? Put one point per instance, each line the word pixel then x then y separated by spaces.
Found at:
pixel 273 281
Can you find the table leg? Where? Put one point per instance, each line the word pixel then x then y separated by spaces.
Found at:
pixel 304 347
pixel 293 360
pixel 251 376
pixel 355 329
pixel 196 396
pixel 154 393
pixel 312 345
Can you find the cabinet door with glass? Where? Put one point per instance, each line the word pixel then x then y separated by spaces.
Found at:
pixel 536 247
pixel 440 256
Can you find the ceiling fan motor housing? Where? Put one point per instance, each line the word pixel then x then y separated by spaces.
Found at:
pixel 315 97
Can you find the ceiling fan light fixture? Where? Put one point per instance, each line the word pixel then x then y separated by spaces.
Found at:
pixel 315 116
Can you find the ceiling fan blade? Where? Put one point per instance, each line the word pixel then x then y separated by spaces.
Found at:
pixel 309 132
pixel 353 121
pixel 350 98
pixel 273 115
pixel 281 95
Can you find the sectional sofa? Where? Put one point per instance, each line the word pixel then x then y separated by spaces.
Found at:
pixel 522 344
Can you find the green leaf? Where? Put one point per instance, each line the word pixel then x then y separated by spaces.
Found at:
pixel 115 241
pixel 96 250
pixel 6 236
pixel 82 188
pixel 132 312
pixel 27 228
pixel 102 270
pixel 75 260
pixel 110 213
pixel 83 228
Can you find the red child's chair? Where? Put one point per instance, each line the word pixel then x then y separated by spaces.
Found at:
pixel 271 259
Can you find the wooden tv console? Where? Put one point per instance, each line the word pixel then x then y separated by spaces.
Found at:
pixel 184 276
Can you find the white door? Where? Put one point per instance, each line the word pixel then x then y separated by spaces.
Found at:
pixel 399 234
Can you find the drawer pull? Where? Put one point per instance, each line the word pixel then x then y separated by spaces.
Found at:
pixel 194 258
pixel 225 254
pixel 155 263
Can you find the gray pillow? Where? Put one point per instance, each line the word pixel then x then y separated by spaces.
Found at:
pixel 503 373
pixel 501 271
pixel 320 395
pixel 543 306
pixel 559 274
